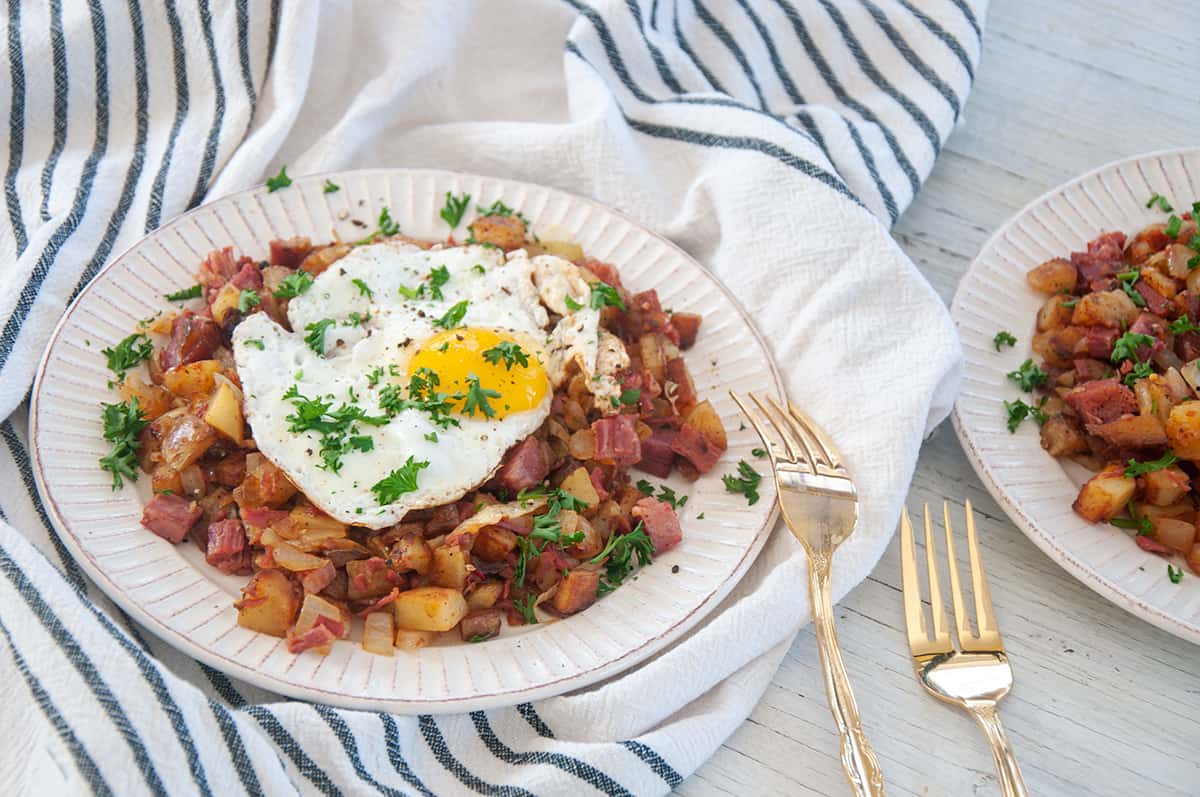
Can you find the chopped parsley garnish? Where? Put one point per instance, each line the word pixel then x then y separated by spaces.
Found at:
pixel 1183 324
pixel 437 278
pixel 605 296
pixel 432 437
pixel 247 299
pixel 758 452
pixel 330 187
pixel 548 528
pixel 1028 376
pixel 631 396
pixel 478 268
pixel 129 353
pixel 315 337
pixel 123 422
pixel 526 607
pixel 363 288
pixel 1162 202
pixel 423 396
pixel 646 487
pixel 1069 304
pixel 400 481
pixel 193 292
pixel 477 398
pixel 572 305
pixel 1174 573
pixel 498 208
pixel 338 428
pixel 1140 371
pixel 665 494
pixel 1141 525
pixel 356 319
pixel 412 293
pixel 385 227
pixel 453 212
pixel 293 285
pixel 375 375
pixel 1174 225
pixel 746 482
pixel 1018 411
pixel 280 180
pixel 620 553
pixel 1127 345
pixel 1003 338
pixel 361 443
pixel 256 343
pixel 1135 468
pixel 511 353
pixel 1127 280
pixel 477 637
pixel 453 316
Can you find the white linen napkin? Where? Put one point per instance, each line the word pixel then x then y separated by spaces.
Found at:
pixel 776 141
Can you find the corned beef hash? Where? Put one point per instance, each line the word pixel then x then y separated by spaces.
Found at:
pixel 428 436
pixel 1117 387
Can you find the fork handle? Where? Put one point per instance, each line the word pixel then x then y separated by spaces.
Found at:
pixel 1011 782
pixel 858 759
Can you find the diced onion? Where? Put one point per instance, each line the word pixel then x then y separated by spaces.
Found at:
pixel 377 633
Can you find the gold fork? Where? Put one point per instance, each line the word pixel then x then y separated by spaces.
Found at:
pixel 820 506
pixel 976 674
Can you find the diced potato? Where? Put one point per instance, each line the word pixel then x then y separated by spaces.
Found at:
pixel 369 578
pixel 378 634
pixel 567 250
pixel 679 385
pixel 577 591
pixel 411 552
pixel 1160 282
pixel 224 413
pixel 492 544
pixel 688 327
pixel 1178 256
pixel 578 485
pixel 185 440
pixel 1061 437
pixel 591 544
pixel 1053 315
pixel 269 603
pixel 324 257
pixel 1107 309
pixel 412 640
pixel 506 232
pixel 654 359
pixel 485 594
pixel 336 617
pixel 1193 558
pixel 1105 494
pixel 289 557
pixel 191 380
pixel 226 302
pixel 481 625
pixel 314 525
pixel 165 478
pixel 449 567
pixel 429 609
pixel 1134 431
pixel 704 419
pixel 152 399
pixel 1165 487
pixel 1053 276
pixel 1183 430
pixel 1181 510
pixel 1175 533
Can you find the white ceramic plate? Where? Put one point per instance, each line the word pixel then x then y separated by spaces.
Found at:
pixel 176 595
pixel 1033 488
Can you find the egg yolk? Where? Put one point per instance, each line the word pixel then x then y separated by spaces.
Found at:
pixel 458 355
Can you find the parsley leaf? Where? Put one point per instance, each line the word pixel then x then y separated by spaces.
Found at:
pixel 280 180
pixel 385 227
pixel 620 552
pixel 129 353
pixel 477 398
pixel 1127 280
pixel 363 288
pixel 1018 411
pixel 375 375
pixel 422 395
pixel 453 212
pixel 193 292
pixel 526 607
pixel 453 316
pixel 1163 205
pixel 746 482
pixel 437 278
pixel 758 452
pixel 400 481
pixel 256 343
pixel 432 437
pixel 1174 225
pixel 1183 324
pixel 330 187
pixel 316 334
pixel 1028 376
pixel 1174 573
pixel 511 353
pixel 1140 371
pixel 1127 345
pixel 498 208
pixel 646 487
pixel 572 305
pixel 1135 468
pixel 123 422
pixel 631 396
pixel 293 285
pixel 337 428
pixel 605 296
pixel 247 299
pixel 412 293
pixel 1003 338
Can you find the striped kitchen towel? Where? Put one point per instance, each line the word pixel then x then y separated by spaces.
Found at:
pixel 775 140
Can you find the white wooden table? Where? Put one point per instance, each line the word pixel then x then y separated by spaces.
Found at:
pixel 1104 703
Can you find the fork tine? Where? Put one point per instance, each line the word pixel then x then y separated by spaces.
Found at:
pixel 985 615
pixel 956 596
pixel 799 433
pixel 792 445
pixel 914 615
pixel 827 448
pixel 768 443
pixel 938 609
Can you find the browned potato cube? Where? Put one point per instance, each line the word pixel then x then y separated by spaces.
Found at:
pixel 1160 282
pixel 193 379
pixel 578 485
pixel 368 578
pixel 411 552
pixel 485 594
pixel 1107 309
pixel 654 359
pixel 480 625
pixel 153 400
pixel 493 544
pixel 1175 533
pixel 1053 276
pixel 685 389
pixel 429 609
pixel 1053 315
pixel 704 419
pixel 1165 487
pixel 449 568
pixel 1058 346
pixel 1105 494
pixel 1062 437
pixel 577 591
pixel 269 603
pixel 323 258
pixel 506 232
pixel 688 326
pixel 1183 430
pixel 1135 431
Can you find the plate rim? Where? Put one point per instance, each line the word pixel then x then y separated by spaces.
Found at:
pixel 1083 573
pixel 497 698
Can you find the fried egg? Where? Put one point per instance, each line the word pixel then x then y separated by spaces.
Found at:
pixel 331 402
